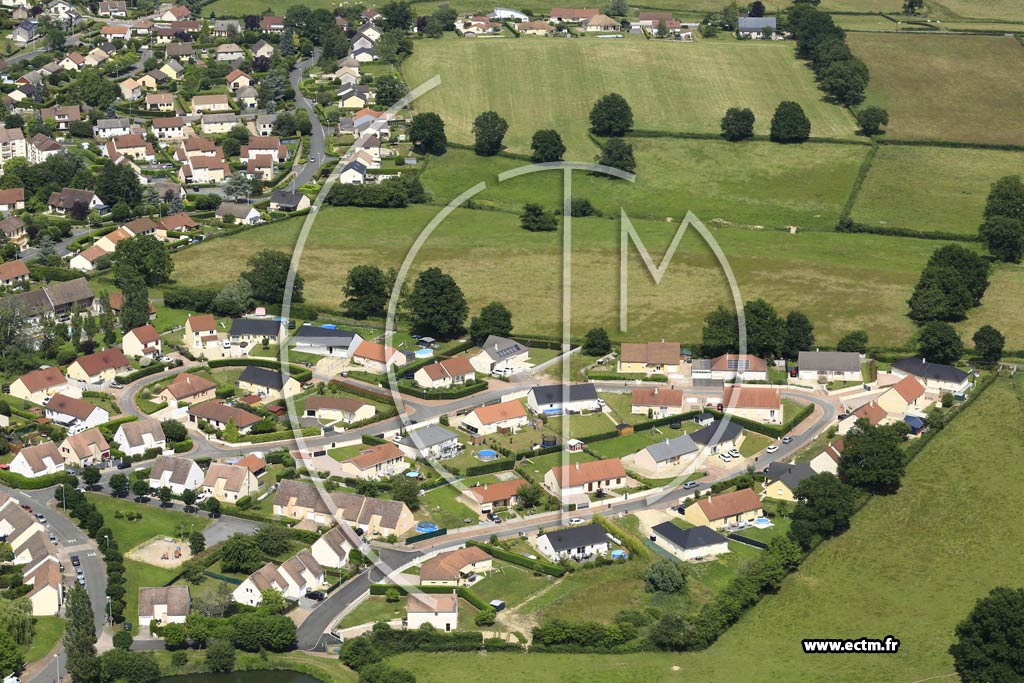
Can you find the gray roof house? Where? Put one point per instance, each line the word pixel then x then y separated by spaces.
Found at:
pixel 559 397
pixel 326 341
pixel 263 377
pixel 790 474
pixel 670 449
pixel 919 367
pixel 255 327
pixel 750 25
pixel 828 362
pixel 707 435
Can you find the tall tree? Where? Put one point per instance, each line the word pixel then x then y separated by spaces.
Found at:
pixel 426 132
pixel 1004 237
pixel 799 335
pixel 1006 198
pixel 987 647
pixel 617 153
pixel 872 458
pixel 396 14
pixel 871 120
pixel 143 257
pixel 80 637
pixel 737 124
pixel 437 305
pixel 611 116
pixel 366 292
pixel 988 345
pixel 790 123
pixel 546 146
pixel 135 312
pixel 766 329
pixel 389 89
pixel 854 341
pixel 494 318
pixel 596 343
pixel 720 333
pixel 939 342
pixel 825 506
pixel 268 275
pixel 535 219
pixel 489 130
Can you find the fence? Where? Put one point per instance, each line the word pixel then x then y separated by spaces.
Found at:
pixel 423 537
pixel 748 541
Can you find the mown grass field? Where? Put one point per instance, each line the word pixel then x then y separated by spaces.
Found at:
pixel 962 88
pixel 540 83
pixel 828 276
pixel 749 183
pixel 881 577
pixel 939 188
pixel 155 521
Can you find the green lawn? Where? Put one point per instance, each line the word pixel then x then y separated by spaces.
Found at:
pixel 441 506
pixel 141 575
pixel 880 577
pixel 624 445
pixel 48 630
pixel 538 466
pixel 711 76
pixel 941 188
pixel 812 271
pixel 806 186
pixel 155 521
pixel 959 88
pixel 374 609
pixel 754 443
pixel 510 583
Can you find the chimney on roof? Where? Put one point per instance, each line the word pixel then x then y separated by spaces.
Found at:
pixel 577 465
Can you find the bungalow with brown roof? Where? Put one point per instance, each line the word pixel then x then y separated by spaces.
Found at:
pixel 159 101
pixel 73 200
pixel 99 367
pixel 460 567
pixel 239 79
pixel 870 411
pixel 572 15
pixel 375 462
pixel 186 389
pixel 489 497
pixel 330 409
pixel 761 404
pixel 164 605
pixel 507 417
pixel 210 103
pixel 219 415
pixel 12 199
pixel 656 402
pixel 377 358
pixel 905 396
pixel 649 358
pixel 724 510
pixel 36 386
pixel 585 477
pixel 140 436
pixel 445 373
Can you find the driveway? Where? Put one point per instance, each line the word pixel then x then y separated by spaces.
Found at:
pixel 224 527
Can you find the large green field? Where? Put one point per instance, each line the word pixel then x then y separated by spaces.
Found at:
pixel 962 88
pixel 940 188
pixel 936 538
pixel 683 87
pixel 827 275
pixel 749 183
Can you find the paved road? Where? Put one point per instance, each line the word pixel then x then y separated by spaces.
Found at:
pixel 71 41
pixel 317 138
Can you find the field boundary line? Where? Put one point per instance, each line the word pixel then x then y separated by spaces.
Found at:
pixel 858 182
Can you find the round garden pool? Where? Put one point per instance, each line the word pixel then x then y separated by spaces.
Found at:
pixel 487 454
pixel 425 527
pixel 424 353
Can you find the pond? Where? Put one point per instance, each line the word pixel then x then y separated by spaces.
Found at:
pixel 282 676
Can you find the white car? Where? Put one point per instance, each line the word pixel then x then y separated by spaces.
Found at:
pixel 226 344
pixel 724 457
pixel 734 453
pixel 772 449
pixel 575 521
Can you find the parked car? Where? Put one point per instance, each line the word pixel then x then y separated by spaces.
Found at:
pixel 787 439
pixel 772 449
pixel 165 359
pixel 724 457
pixel 116 385
pixel 316 595
pixel 53 539
pixel 41 518
pixel 734 453
pixel 575 521
pixel 690 485
pixel 75 562
pixel 123 465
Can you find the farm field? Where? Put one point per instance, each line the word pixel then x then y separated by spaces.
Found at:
pixel 962 88
pixel 979 9
pixel 939 188
pixel 806 186
pixel 848 583
pixel 813 271
pixel 717 74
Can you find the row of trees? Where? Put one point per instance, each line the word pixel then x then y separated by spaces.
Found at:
pixel 953 281
pixel 769 335
pixel 435 303
pixel 1003 228
pixel 789 124
pixel 840 74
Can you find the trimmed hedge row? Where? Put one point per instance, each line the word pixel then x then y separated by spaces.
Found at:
pixel 462 591
pixel 536 565
pixel 627 540
pixel 774 431
pixel 463 390
pixel 849 226
pixel 19 481
pixel 499 465
pixel 139 374
pixel 279 436
pixel 299 373
pixel 613 376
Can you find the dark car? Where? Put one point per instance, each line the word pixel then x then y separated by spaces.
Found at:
pixel 75 562
pixel 316 595
pixel 123 465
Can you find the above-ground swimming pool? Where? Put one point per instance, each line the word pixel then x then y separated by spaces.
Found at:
pixel 424 353
pixel 487 454
pixel 762 522
pixel 619 554
pixel 412 474
pixel 426 527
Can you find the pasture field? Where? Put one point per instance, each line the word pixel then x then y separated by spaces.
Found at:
pixel 826 275
pixel 849 585
pixel 939 188
pixel 978 9
pixel 749 183
pixel 944 87
pixel 239 8
pixel 672 86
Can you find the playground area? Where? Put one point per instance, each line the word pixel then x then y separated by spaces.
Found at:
pixel 162 551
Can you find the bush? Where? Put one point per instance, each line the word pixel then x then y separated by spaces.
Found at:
pixel 123 640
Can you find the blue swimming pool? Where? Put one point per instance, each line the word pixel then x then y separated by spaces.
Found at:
pixel 424 353
pixel 619 555
pixel 487 454
pixel 426 527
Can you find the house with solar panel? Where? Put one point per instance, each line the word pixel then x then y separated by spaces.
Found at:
pixel 500 356
pixel 326 340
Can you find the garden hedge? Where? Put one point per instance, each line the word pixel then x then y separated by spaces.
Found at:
pixel 541 566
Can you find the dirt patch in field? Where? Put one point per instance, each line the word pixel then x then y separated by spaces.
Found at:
pixel 161 551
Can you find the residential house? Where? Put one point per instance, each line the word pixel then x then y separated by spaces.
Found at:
pixel 331 409
pixel 210 104
pixel 241 213
pixel 601 23
pixel 296 576
pixel 761 404
pixel 269 385
pixel 180 222
pixel 38 461
pixel 936 377
pixel 262 48
pixel 228 52
pixel 153 79
pixel 782 479
pixel 723 510
pixel 439 610
pixel 377 358
pixel 373 516
pixel 164 605
pixel 288 201
pixel 115 9
pixel 201 334
pixel 12 144
pixel 695 543
pixel 159 101
pixel 239 79
pixel 460 567
pixel 870 411
pixel 676 456
pixel 176 473
pixel 108 243
pixel 169 128
pixel 73 200
pixel 140 436
pixel 42 147
pixel 173 69
pixel 533 28
pixel 332 548
pixel 904 397
pixel 204 170
pixel 445 373
pixel 375 462
pixel 326 341
pixel 58 299
pixel 649 358
pixel 718 437
pixel 182 52
pixel 576 479
pixel 74 412
pixel 219 415
pixel 571 15
pixel 830 366
pixel 757 28
pixel 507 417
pixel 228 483
pixel 651 20
pixel 302 500
pixel 142 27
pixel 143 225
pixel 353 96
pixel 100 367
pixel 110 128
pixel 87 259
pixel 555 399
pixel 73 61
pixel 272 24
pixel 14 228
pixel 246 331
pixel 656 402
pixel 486 498
pixel 575 543
pixel 828 459
pixel 142 341
pixel 85 448
pixel 431 441
pixel 131 89
pixel 731 367
pixel 363 54
pixel 114 32
pixel 62 114
pixel 13 274
pixel 500 355
pixel 175 13
pixel 116 301
pixel 353 173
pixel 224 28
pixel 133 146
pixel 25 32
